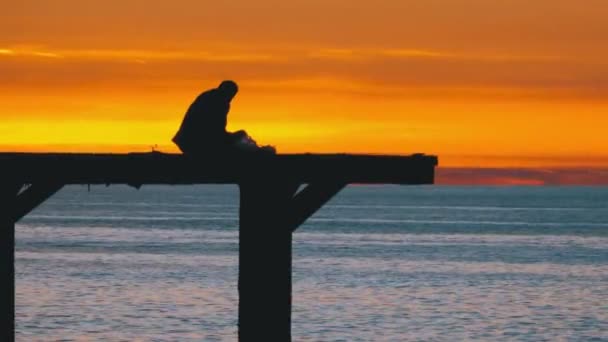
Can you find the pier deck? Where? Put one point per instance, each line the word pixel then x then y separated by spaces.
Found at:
pixel 271 209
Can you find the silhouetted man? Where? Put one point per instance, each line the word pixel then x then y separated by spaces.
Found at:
pixel 204 127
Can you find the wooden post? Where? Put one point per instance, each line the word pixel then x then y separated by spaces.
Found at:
pixel 265 261
pixel 8 195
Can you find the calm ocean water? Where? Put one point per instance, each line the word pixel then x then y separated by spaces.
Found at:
pixel 378 263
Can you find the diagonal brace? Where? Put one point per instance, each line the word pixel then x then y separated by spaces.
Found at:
pixel 310 199
pixel 32 197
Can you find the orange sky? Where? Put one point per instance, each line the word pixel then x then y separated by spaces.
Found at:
pixel 480 83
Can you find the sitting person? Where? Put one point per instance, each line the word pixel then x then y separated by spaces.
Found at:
pixel 203 130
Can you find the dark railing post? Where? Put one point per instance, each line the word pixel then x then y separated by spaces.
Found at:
pixel 8 195
pixel 265 262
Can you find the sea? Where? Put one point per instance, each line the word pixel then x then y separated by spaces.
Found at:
pixel 377 263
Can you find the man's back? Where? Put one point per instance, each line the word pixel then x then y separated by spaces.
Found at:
pixel 203 130
pixel 204 126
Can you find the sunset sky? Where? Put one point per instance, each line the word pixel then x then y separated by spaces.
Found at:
pixel 493 84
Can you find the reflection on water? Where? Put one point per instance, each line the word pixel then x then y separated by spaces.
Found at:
pixel 378 263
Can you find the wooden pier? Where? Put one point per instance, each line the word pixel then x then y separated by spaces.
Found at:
pixel 271 209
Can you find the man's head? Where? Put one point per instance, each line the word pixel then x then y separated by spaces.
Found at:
pixel 228 88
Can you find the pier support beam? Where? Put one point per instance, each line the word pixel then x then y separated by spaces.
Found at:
pixel 269 213
pixel 265 262
pixel 8 195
